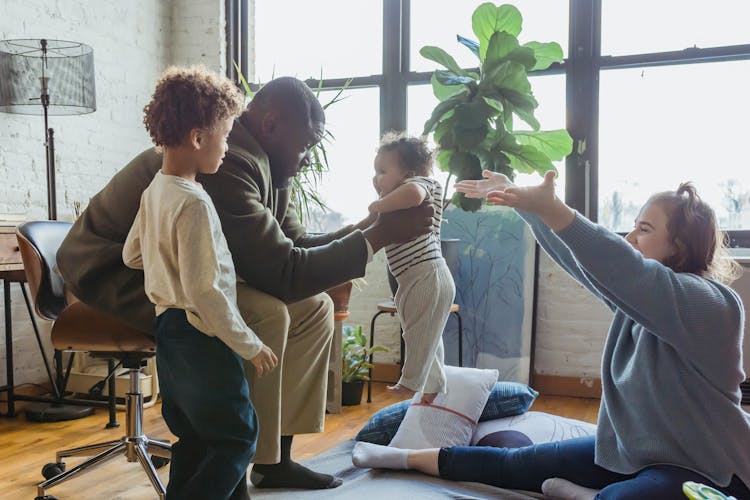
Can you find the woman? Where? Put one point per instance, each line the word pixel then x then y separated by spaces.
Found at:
pixel 672 363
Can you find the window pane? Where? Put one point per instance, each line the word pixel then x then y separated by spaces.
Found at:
pixel 303 39
pixel 549 91
pixel 437 22
pixel 355 124
pixel 644 26
pixel 662 126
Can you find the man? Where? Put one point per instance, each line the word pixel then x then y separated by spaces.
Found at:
pixel 281 270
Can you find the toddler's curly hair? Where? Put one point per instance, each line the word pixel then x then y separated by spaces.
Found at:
pixel 186 98
pixel 414 154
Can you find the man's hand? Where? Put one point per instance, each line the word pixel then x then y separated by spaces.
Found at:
pixel 265 361
pixel 367 221
pixel 400 226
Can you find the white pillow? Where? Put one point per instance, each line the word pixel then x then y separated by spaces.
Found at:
pixel 451 419
pixel 532 427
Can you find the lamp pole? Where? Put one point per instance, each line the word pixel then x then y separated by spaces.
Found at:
pixel 49 140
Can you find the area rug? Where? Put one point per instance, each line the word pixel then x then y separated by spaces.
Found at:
pixel 366 484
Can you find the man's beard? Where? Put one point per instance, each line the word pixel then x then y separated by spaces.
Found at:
pixel 280 181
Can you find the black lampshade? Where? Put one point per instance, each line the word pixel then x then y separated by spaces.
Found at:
pixel 68 75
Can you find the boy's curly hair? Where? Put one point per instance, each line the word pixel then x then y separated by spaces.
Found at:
pixel 186 98
pixel 414 155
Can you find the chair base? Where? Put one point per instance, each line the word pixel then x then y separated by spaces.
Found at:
pixel 134 445
pixel 133 448
pixel 53 412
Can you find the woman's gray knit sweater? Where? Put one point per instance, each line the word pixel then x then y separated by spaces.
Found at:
pixel 672 360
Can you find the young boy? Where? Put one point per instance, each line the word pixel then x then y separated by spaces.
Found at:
pixel 176 239
pixel 425 285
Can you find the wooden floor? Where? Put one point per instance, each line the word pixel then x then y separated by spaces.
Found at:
pixel 25 447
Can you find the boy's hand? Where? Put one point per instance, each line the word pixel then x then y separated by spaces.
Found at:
pixel 493 181
pixel 265 361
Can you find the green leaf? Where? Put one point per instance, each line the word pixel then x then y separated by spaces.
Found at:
pixel 467 204
pixel 555 144
pixel 545 54
pixel 499 46
pixel 444 135
pixel 441 57
pixel 470 125
pixel 509 75
pixel 525 56
pixel 248 91
pixel 449 78
pixel 528 116
pixel 465 166
pixel 443 159
pixel 470 44
pixel 488 19
pixel 441 109
pixel 529 160
pixel 443 92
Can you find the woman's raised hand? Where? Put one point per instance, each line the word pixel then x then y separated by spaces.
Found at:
pixel 493 181
pixel 534 199
pixel 539 200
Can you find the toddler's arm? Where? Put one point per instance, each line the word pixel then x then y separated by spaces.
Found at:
pixel 407 195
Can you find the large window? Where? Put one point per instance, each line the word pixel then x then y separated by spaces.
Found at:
pixel 653 93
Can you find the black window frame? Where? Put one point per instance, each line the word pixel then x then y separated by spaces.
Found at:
pixel 582 68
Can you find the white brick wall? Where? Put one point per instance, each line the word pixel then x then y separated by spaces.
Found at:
pixel 133 42
pixel 571 325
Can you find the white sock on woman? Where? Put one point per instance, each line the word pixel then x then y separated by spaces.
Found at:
pixel 379 457
pixel 563 489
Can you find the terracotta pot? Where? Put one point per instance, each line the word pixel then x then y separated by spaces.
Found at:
pixel 340 295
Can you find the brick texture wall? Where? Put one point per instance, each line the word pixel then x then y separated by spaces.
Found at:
pixel 133 42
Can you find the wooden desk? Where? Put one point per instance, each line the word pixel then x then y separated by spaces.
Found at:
pixel 11 271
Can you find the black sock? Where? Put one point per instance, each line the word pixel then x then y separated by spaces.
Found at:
pixel 289 474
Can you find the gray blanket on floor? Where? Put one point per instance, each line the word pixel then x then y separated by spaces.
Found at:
pixel 366 484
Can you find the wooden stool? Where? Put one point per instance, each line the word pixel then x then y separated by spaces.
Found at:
pixel 389 307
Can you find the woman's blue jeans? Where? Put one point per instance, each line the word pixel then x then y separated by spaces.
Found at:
pixel 528 467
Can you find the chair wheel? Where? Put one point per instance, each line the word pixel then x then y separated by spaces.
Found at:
pixel 158 461
pixel 46 497
pixel 51 470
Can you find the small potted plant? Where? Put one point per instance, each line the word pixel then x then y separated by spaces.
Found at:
pixel 356 364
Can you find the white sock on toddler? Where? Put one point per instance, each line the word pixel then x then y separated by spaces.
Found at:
pixel 379 457
pixel 556 487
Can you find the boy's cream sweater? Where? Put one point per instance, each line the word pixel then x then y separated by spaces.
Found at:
pixel 176 239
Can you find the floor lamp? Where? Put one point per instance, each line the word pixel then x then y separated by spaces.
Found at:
pixel 48 77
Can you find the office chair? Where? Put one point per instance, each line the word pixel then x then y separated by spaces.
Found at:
pixel 78 327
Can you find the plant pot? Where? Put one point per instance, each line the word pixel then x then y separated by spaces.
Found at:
pixel 340 295
pixel 351 392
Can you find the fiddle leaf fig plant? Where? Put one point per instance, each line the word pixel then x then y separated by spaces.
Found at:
pixel 473 125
